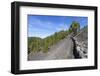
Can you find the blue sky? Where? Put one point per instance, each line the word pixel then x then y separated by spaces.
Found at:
pixel 43 26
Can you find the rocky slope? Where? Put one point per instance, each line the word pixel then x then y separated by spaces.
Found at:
pixel 81 41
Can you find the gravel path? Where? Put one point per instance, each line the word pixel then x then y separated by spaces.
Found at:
pixel 62 50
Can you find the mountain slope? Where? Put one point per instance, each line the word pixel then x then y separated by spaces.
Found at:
pixel 65 49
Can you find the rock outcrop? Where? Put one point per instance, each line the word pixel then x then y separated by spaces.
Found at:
pixel 81 41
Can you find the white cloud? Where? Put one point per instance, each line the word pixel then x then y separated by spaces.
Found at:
pixel 62 27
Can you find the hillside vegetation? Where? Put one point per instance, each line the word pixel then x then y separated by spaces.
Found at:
pixel 36 44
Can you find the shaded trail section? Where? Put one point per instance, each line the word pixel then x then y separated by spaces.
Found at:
pixel 75 52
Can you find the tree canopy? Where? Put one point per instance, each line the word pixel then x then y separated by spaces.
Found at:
pixel 75 27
